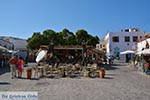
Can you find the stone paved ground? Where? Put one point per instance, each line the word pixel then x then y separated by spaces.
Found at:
pixel 120 83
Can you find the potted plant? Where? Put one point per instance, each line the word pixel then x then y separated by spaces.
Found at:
pixel 102 72
pixel 29 72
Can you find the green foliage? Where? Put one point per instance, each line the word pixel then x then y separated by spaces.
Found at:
pixel 144 61
pixel 29 69
pixel 65 37
pixel 137 58
pixel 81 35
pixel 102 69
pixel 93 40
pixel 33 42
pixel 130 61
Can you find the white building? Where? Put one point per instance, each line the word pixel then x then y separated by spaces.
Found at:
pixel 6 44
pixel 12 43
pixel 101 44
pixel 117 42
pixel 143 45
pixel 17 43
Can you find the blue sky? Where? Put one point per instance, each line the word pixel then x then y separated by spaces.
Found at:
pixel 20 18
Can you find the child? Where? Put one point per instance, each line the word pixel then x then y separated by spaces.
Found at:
pixel 20 67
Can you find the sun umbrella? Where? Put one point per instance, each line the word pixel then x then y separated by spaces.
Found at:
pixel 127 52
pixel 13 52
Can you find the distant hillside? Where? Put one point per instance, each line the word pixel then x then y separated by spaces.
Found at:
pixel 6 37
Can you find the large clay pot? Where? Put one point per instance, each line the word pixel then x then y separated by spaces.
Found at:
pixel 102 73
pixel 29 74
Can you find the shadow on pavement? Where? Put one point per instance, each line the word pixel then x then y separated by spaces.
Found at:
pixel 106 77
pixel 110 74
pixel 4 70
pixel 4 83
pixel 24 78
pixel 110 66
pixel 34 78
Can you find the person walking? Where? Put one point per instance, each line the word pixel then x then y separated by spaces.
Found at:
pixel 12 64
pixel 20 67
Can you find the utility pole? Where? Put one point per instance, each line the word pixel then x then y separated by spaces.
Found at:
pixel 83 53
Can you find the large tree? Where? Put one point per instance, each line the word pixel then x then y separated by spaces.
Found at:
pixel 65 37
pixel 68 37
pixel 49 36
pixel 81 35
pixel 35 41
pixel 93 40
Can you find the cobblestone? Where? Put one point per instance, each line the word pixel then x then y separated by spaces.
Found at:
pixel 120 83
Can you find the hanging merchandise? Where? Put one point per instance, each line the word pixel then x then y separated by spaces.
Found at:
pixel 147 45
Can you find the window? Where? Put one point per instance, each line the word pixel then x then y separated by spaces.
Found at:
pixel 140 37
pixel 127 39
pixel 115 39
pixel 135 38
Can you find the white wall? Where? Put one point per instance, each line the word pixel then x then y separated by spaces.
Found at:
pixel 7 44
pixel 18 43
pixel 122 45
pixel 107 41
pixel 142 44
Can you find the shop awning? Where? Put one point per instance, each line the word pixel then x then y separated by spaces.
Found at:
pixel 146 51
pixel 3 48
